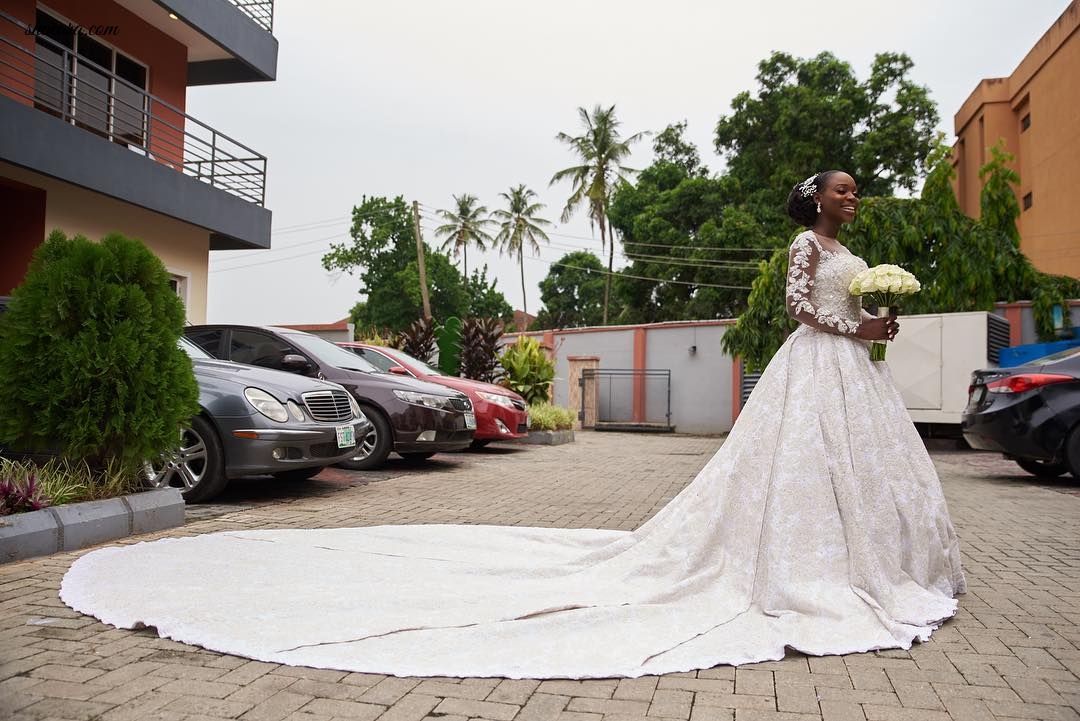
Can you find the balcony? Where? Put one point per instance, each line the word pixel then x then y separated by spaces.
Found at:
pixel 261 11
pixel 91 97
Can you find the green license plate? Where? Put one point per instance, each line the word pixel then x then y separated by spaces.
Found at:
pixel 346 437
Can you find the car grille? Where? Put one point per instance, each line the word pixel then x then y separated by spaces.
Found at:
pixel 328 406
pixel 461 404
pixel 520 405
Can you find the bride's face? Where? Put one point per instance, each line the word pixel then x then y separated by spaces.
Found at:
pixel 840 198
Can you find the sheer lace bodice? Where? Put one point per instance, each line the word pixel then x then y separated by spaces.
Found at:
pixel 817 286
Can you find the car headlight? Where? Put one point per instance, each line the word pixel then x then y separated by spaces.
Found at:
pixel 357 413
pixel 266 404
pixel 497 399
pixel 295 410
pixel 422 399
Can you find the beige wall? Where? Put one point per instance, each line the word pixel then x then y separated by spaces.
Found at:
pixel 183 248
pixel 1046 86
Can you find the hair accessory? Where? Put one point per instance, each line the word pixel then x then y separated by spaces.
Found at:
pixel 808 187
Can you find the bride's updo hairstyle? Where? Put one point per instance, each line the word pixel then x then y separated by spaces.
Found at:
pixel 801 205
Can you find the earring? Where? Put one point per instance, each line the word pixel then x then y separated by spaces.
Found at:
pixel 819 206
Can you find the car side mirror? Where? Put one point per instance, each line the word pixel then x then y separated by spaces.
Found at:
pixel 398 371
pixel 295 363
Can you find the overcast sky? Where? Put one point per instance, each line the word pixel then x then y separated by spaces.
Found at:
pixel 428 99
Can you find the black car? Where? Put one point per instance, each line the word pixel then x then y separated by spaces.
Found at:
pixel 413 418
pixel 256 422
pixel 1030 413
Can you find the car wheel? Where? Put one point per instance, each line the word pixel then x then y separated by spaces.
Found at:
pixel 1042 469
pixel 479 443
pixel 1072 452
pixel 417 456
pixel 298 474
pixel 373 448
pixel 196 466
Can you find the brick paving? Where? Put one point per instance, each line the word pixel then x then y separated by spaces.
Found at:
pixel 1012 652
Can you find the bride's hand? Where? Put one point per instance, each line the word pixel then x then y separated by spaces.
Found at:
pixel 878 328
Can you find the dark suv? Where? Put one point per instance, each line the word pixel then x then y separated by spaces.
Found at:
pixel 413 418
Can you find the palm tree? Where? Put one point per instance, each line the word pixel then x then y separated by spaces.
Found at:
pixel 464 227
pixel 601 152
pixel 520 226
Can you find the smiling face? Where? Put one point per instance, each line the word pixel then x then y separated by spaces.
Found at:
pixel 839 198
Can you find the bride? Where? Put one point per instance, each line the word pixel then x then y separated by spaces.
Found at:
pixel 819 525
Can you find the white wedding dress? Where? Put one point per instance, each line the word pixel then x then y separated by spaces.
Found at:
pixel 819 525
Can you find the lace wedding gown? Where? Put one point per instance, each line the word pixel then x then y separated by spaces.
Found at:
pixel 819 525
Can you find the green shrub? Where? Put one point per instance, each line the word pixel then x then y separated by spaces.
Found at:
pixel 448 338
pixel 548 417
pixel 61 481
pixel 89 362
pixel 527 370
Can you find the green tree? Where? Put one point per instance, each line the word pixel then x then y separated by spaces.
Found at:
pixel 813 115
pixel 671 146
pixel 601 151
pixel 684 232
pixel 963 264
pixel 465 225
pixel 520 226
pixel 89 361
pixel 485 300
pixel 383 250
pixel 572 292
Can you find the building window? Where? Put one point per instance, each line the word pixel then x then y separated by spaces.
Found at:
pixel 1027 201
pixel 178 283
pixel 79 78
pixel 1025 122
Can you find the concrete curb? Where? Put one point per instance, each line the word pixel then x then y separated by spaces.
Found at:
pixel 547 438
pixel 78 525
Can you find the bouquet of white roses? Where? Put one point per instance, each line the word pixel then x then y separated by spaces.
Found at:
pixel 883 285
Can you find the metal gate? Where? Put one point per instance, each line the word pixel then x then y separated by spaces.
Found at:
pixel 616 390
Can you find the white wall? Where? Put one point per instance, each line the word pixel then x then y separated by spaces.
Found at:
pixel 614 347
pixel 700 381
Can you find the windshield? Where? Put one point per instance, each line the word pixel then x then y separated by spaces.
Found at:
pixel 193 351
pixel 416 363
pixel 331 354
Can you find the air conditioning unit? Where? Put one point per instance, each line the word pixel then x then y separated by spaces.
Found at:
pixel 933 356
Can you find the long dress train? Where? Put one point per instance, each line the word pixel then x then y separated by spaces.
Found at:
pixel 819 525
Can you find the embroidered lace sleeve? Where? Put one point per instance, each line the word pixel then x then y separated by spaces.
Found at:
pixel 802 267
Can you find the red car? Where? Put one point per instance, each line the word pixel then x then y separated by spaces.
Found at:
pixel 501 413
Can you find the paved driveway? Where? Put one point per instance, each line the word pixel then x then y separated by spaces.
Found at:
pixel 1011 652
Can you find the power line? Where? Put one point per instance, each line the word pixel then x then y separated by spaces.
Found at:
pixel 263 251
pixel 704 262
pixel 639 277
pixel 267 262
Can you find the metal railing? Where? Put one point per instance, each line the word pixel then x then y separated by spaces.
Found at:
pixel 614 402
pixel 261 11
pixel 54 80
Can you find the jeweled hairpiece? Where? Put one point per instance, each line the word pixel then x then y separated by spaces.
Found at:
pixel 808 187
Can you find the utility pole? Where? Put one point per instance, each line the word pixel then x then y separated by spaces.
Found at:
pixel 420 260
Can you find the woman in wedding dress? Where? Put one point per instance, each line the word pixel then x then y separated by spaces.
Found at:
pixel 819 525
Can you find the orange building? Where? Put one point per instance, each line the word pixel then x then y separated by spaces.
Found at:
pixel 95 138
pixel 1036 110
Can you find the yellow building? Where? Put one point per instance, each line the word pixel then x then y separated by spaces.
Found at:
pixel 1036 110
